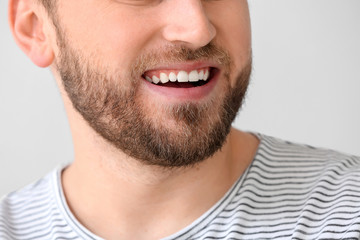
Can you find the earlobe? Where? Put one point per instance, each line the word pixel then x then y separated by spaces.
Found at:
pixel 28 30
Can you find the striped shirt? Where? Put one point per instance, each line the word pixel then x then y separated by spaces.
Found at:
pixel 290 191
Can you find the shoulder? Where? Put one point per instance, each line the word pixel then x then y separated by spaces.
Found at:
pixel 301 192
pixel 279 162
pixel 31 212
pixel 24 207
pixel 275 149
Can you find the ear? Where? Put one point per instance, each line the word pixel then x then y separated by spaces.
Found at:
pixel 26 24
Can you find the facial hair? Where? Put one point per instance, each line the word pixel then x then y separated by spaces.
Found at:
pixel 111 103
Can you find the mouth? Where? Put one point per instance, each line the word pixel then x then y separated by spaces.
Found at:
pixel 181 78
pixel 182 82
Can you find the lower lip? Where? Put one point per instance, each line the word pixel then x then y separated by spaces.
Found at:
pixel 193 93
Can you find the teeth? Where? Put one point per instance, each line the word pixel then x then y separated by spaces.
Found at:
pixel 148 79
pixel 201 75
pixel 206 75
pixel 182 76
pixel 164 78
pixel 155 79
pixel 172 77
pixel 193 76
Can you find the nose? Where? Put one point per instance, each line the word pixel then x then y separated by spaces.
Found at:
pixel 186 23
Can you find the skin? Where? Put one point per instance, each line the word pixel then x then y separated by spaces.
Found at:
pixel 129 193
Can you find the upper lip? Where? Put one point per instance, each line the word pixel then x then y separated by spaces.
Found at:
pixel 186 66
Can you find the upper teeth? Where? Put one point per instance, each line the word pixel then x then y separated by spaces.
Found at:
pixel 181 76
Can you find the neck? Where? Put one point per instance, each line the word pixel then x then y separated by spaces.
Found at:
pixel 130 193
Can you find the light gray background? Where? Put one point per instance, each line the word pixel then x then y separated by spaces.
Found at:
pixel 305 87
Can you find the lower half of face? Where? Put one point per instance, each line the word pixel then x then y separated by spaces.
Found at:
pixel 159 117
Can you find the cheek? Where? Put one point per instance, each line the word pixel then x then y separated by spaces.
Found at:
pixel 122 40
pixel 234 31
pixel 240 42
pixel 107 34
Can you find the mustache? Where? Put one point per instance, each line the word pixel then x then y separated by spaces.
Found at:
pixel 174 54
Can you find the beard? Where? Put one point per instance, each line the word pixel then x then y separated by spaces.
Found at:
pixel 172 135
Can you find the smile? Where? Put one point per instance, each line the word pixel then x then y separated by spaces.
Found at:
pixel 180 78
pixel 187 83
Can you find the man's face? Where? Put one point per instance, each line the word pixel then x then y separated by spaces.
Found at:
pixel 109 50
